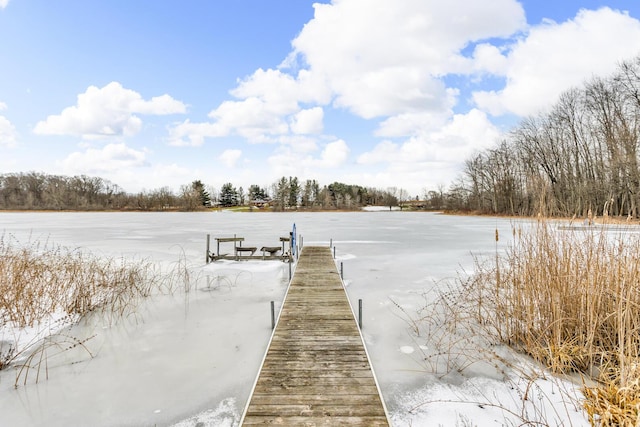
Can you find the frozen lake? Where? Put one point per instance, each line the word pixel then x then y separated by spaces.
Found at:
pixel 190 359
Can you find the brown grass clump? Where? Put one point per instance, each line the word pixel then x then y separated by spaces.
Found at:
pixel 570 297
pixel 38 281
pixel 43 288
pixel 612 405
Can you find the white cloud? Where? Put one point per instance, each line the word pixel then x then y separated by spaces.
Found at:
pixel 107 111
pixel 282 91
pixel 3 3
pixel 307 122
pixel 459 138
pixel 268 102
pixel 108 159
pixel 555 57
pixel 230 157
pixel 430 159
pixel 334 154
pixel 253 118
pixel 8 134
pixel 386 57
pixel 412 123
pixel 193 134
pixel 265 100
pixel 288 161
pixel 489 59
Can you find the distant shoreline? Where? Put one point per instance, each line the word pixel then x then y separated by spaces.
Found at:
pixel 576 220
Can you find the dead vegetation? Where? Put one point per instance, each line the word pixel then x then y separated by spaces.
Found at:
pixel 45 289
pixel 567 295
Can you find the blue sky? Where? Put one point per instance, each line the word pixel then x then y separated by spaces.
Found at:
pixel 381 93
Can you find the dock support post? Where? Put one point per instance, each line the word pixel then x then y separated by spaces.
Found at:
pixel 290 261
pixel 334 252
pixel 208 243
pixel 360 313
pixel 341 271
pixel 330 243
pixel 273 315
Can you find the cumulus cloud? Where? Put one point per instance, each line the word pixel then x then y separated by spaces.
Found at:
pixel 556 56
pixel 386 57
pixel 8 134
pixel 266 110
pixel 308 121
pixel 334 154
pixel 288 161
pixel 489 59
pixel 193 134
pixel 3 3
pixel 253 118
pixel 110 158
pixel 230 157
pixel 107 111
pixel 408 124
pixel 456 140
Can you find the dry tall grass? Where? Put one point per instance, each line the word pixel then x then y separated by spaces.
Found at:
pixel 43 287
pixel 38 281
pixel 570 297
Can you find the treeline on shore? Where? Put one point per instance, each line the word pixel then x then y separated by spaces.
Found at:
pixel 40 191
pixel 579 157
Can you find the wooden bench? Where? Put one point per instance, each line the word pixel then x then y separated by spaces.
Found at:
pixel 237 243
pixel 251 249
pixel 272 250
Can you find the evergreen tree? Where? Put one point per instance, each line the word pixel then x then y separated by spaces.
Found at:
pixel 203 195
pixel 228 195
pixel 294 192
pixel 257 193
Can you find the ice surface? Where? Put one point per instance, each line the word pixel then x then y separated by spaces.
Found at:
pixel 190 359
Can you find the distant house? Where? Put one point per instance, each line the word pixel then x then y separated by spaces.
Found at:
pixel 415 204
pixel 260 203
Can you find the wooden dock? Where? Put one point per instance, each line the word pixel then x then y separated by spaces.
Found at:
pixel 316 371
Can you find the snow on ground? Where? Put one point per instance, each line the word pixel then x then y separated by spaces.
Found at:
pixel 190 359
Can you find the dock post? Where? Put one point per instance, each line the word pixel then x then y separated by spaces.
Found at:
pixel 208 243
pixel 334 252
pixel 273 315
pixel 341 271
pixel 330 243
pixel 290 270
pixel 360 313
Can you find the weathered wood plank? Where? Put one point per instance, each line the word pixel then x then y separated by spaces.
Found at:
pixel 316 371
pixel 332 409
pixel 378 421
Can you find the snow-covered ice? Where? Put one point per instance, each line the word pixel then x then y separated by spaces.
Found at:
pixel 190 358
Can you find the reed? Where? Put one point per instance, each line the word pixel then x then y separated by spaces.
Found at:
pixel 570 298
pixel 44 288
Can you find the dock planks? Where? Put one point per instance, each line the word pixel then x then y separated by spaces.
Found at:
pixel 316 371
